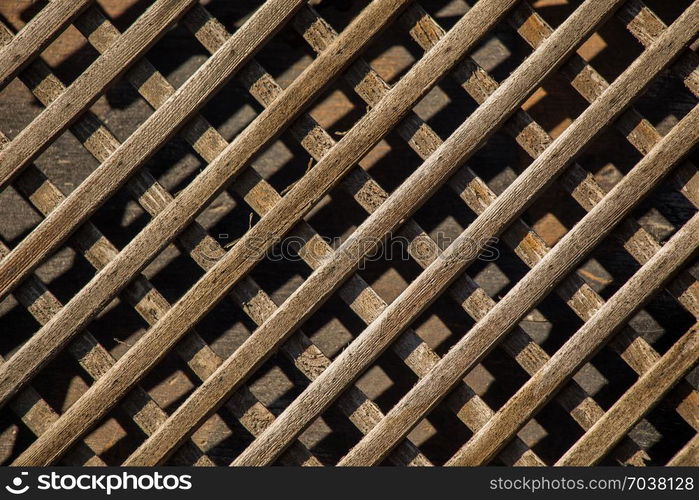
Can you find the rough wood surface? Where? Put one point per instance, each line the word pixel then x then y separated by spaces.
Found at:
pixel 333 271
pixel 87 88
pixel 241 150
pixel 453 151
pixel 645 393
pixel 194 240
pixel 552 268
pixel 36 36
pixel 108 178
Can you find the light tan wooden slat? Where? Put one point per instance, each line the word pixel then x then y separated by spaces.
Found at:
pixel 98 250
pixel 37 35
pixel 643 395
pixel 194 240
pixel 144 142
pixel 307 357
pixel 364 301
pixel 58 225
pixel 303 88
pixel 581 185
pixel 293 311
pixel 584 344
pixel 646 27
pixel 551 269
pixel 582 299
pixel 88 87
pixel 688 455
pixel 96 360
pixel 408 196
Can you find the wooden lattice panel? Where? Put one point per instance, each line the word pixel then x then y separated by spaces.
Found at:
pixel 318 233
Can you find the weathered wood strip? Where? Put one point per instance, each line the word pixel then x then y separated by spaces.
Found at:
pixel 584 344
pixel 261 196
pixel 88 87
pixel 540 280
pixel 97 249
pixel 154 132
pixel 409 194
pixel 195 241
pixel 316 168
pixel 96 360
pixel 36 35
pixel 641 397
pixel 581 185
pixel 303 89
pixel 274 331
pixel 688 455
pixel 474 192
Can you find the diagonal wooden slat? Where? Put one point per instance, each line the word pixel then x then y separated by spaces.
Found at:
pixel 194 240
pixel 261 197
pixel 641 397
pixel 88 87
pixel 144 142
pixel 586 342
pixel 335 59
pixel 491 222
pixel 328 277
pixel 37 35
pixel 552 268
pixel 58 225
pixel 96 360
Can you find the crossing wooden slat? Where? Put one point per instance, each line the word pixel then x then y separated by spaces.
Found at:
pixel 89 241
pixel 444 270
pixel 88 87
pixel 37 35
pixel 300 304
pixel 605 323
pixel 105 180
pixel 688 455
pixel 552 268
pixel 643 395
pixel 585 343
pixel 194 240
pixel 96 360
pixel 297 95
pixel 160 126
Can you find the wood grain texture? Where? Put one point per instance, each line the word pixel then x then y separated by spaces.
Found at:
pixel 294 205
pixel 407 197
pixel 244 147
pixel 194 240
pixel 144 142
pixel 543 277
pixel 534 394
pixel 652 386
pixel 107 178
pixel 36 35
pixel 87 88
